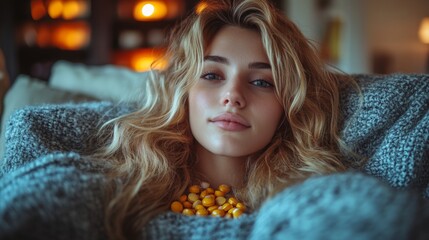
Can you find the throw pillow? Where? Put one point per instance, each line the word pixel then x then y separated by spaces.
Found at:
pixel 105 82
pixel 29 91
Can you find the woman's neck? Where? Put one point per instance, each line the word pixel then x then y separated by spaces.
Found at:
pixel 218 170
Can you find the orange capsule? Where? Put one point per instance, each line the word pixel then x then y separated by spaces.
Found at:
pixel 210 190
pixel 212 208
pixel 187 204
pixel 241 206
pixel 218 213
pixel 176 206
pixel 233 201
pixel 226 207
pixel 194 189
pixel 208 201
pixel 219 193
pixel 203 193
pixel 198 207
pixel 224 188
pixel 228 215
pixel 183 198
pixel 202 212
pixel 236 213
pixel 231 210
pixel 188 212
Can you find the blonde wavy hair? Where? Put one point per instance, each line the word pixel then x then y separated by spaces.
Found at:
pixel 150 150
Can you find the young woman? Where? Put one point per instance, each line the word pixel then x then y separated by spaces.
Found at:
pixel 244 101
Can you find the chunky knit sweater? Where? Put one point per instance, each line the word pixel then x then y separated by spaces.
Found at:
pixel 48 190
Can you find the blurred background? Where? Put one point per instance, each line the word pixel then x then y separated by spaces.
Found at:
pixel 355 36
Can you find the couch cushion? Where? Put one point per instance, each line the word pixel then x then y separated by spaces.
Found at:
pixel 103 82
pixel 28 91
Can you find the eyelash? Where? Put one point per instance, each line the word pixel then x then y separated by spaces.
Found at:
pixel 204 76
pixel 258 82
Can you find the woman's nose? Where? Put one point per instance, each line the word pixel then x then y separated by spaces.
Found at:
pixel 233 96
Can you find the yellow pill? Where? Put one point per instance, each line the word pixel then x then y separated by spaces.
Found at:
pixel 210 190
pixel 176 206
pixel 228 215
pixel 233 201
pixel 241 206
pixel 194 189
pixel 212 208
pixel 224 188
pixel 226 207
pixel 220 201
pixel 203 193
pixel 219 193
pixel 183 198
pixel 188 212
pixel 218 213
pixel 192 197
pixel 231 210
pixel 198 207
pixel 202 212
pixel 196 203
pixel 208 201
pixel 187 204
pixel 236 213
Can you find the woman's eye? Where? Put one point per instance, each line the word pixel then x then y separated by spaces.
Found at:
pixel 262 83
pixel 211 76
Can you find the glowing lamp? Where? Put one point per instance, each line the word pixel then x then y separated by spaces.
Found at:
pixel 424 30
pixel 150 10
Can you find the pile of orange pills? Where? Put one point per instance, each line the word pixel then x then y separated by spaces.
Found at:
pixel 202 200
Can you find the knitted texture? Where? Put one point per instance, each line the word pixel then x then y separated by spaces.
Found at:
pixel 388 124
pixel 48 191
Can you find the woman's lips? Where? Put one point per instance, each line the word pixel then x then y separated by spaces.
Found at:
pixel 230 122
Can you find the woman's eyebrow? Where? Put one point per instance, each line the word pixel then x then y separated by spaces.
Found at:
pixel 217 59
pixel 223 60
pixel 259 65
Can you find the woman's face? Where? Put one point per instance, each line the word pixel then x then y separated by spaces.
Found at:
pixel 233 109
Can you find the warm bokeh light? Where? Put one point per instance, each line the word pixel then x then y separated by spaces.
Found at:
pixel 200 7
pixel 71 37
pixel 38 9
pixel 74 9
pixel 43 38
pixel 67 36
pixel 140 60
pixel 66 9
pixel 55 8
pixel 150 10
pixel 424 30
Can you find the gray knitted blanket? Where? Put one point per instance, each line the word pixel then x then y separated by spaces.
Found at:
pixel 49 191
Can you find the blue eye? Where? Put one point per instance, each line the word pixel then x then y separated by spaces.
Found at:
pixel 262 83
pixel 211 76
